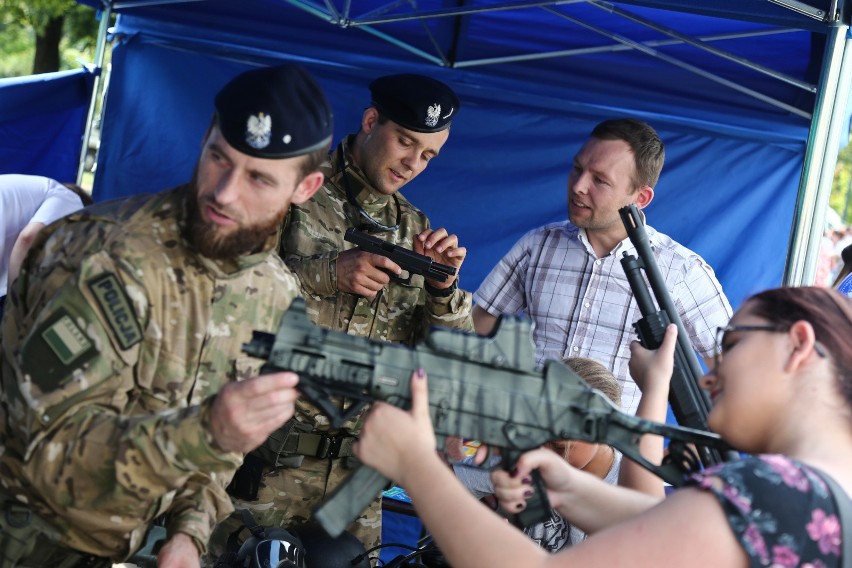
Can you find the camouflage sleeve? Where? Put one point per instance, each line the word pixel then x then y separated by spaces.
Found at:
pixel 451 311
pixel 77 367
pixel 198 506
pixel 317 274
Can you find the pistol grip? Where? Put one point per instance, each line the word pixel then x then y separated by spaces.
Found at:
pixel 538 507
pixel 350 499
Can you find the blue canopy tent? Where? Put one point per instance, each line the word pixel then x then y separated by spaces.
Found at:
pixel 743 92
pixel 42 118
pixel 750 97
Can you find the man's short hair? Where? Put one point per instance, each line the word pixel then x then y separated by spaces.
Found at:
pixel 649 152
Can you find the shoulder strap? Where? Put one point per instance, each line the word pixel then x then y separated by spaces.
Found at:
pixel 844 511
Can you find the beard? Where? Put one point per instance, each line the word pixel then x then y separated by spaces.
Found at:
pixel 207 239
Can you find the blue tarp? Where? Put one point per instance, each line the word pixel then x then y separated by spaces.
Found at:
pixel 728 189
pixel 42 118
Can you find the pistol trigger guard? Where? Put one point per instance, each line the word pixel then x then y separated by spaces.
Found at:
pixel 405 281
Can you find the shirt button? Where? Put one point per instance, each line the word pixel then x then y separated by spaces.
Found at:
pixel 588 305
pixel 575 348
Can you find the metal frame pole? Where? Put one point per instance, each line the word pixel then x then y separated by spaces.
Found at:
pixel 106 14
pixel 820 159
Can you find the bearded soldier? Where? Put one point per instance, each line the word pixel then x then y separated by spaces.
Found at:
pixel 125 395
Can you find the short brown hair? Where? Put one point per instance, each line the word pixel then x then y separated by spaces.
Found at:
pixel 648 149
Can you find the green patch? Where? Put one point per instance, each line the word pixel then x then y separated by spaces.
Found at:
pixel 66 339
pixel 54 350
pixel 115 306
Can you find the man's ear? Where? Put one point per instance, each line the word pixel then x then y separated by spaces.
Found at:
pixel 369 119
pixel 307 187
pixel 803 340
pixel 644 196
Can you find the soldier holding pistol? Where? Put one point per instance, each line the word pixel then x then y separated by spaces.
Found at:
pixel 403 129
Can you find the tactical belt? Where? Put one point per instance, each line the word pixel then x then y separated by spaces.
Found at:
pixel 289 445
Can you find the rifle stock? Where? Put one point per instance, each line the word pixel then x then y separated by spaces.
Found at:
pixel 482 388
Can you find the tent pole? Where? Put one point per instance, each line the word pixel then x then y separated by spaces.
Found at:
pixel 106 14
pixel 820 159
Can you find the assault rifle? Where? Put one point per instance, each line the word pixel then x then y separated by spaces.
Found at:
pixel 482 388
pixel 690 404
pixel 410 261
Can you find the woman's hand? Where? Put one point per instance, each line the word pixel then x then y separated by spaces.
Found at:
pixel 652 369
pixel 513 489
pixel 393 440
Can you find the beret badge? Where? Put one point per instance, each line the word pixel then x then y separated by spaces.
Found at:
pixel 433 114
pixel 259 131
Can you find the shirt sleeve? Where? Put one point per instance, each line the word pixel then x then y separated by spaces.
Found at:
pixel 503 290
pixel 317 274
pixel 702 304
pixel 59 202
pixel 450 311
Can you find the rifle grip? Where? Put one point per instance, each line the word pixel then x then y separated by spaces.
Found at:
pixel 350 499
pixel 538 507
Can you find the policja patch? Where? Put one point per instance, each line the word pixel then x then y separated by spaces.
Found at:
pixel 116 308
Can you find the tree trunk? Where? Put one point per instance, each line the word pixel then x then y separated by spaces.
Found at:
pixel 47 46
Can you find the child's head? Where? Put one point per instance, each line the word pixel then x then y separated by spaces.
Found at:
pixel 578 454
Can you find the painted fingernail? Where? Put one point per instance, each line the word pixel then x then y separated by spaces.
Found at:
pixel 526 480
pixel 519 506
pixel 514 472
pixel 528 493
pixel 421 373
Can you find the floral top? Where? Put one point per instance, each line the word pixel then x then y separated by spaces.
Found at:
pixel 781 511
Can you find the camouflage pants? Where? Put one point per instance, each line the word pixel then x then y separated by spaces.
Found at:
pixel 286 498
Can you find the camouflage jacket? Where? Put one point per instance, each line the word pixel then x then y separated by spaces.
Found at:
pixel 115 339
pixel 313 236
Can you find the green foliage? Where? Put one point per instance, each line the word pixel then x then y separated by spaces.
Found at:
pixel 21 20
pixel 841 188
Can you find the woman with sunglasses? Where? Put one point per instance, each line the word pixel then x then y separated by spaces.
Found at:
pixel 782 392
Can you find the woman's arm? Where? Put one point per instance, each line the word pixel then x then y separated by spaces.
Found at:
pixel 688 529
pixel 652 371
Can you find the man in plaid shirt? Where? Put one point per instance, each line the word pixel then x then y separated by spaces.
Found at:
pixel 568 278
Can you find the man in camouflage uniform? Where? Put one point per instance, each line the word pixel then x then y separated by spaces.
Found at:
pixel 405 126
pixel 125 396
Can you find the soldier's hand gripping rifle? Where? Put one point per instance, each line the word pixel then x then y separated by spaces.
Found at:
pixel 690 404
pixel 482 388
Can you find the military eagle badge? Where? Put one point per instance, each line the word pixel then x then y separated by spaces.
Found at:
pixel 433 113
pixel 259 131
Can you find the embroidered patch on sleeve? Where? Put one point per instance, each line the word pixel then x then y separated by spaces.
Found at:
pixel 54 350
pixel 116 308
pixel 66 340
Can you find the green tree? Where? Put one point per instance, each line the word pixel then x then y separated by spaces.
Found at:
pixel 841 189
pixel 39 36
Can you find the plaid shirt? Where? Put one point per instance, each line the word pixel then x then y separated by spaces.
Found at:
pixel 582 305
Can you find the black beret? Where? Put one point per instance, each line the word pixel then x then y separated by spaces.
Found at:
pixel 415 102
pixel 274 112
